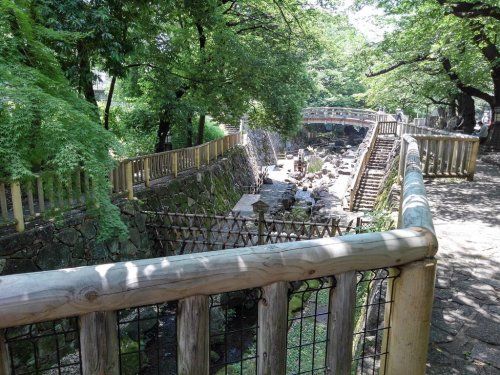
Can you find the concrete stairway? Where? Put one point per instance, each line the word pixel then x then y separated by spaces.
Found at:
pixel 374 174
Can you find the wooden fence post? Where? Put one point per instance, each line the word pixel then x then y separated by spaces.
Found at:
pixel 215 152
pixel 175 166
pixel 402 159
pixel 410 318
pixel 17 205
pixel 341 324
pixel 147 174
pixel 129 179
pixel 207 147
pixel 197 157
pixel 471 169
pixel 272 333
pixel 5 368
pixel 99 343
pixel 193 351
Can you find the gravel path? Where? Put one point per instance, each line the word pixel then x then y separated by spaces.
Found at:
pixel 465 334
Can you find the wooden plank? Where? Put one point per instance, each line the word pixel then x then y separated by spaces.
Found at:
pixel 273 326
pixel 410 320
pixel 427 148
pixel 129 180
pixel 193 351
pixel 5 365
pixel 27 298
pixel 341 324
pixel 471 169
pixel 147 174
pixel 17 205
pixel 99 343
pixel 3 202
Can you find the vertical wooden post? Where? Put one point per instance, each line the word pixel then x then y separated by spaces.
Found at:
pixel 341 324
pixel 147 173
pixel 3 202
pixel 175 167
pixel 99 343
pixel 471 169
pixel 410 318
pixel 402 159
pixel 193 350
pixel 207 149
pixel 129 178
pixel 5 367
pixel 271 340
pixel 197 157
pixel 17 205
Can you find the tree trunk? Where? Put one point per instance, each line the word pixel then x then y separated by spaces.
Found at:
pixel 495 108
pixel 201 129
pixel 466 110
pixel 163 130
pixel 108 102
pixel 85 75
pixel 189 133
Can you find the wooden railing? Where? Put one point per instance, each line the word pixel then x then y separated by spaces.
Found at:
pixel 21 201
pixel 361 166
pixel 443 154
pixel 95 293
pixel 315 114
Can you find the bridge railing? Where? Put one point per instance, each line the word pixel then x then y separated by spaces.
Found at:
pixel 95 294
pixel 443 154
pixel 21 201
pixel 318 114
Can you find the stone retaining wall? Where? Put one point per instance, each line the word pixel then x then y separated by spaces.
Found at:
pixel 73 241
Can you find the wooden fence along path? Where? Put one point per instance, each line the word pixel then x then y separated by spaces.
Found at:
pixel 181 233
pixel 443 154
pixel 21 201
pixel 94 294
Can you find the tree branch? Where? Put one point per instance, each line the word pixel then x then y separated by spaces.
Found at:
pixel 419 58
pixel 472 91
pixel 475 9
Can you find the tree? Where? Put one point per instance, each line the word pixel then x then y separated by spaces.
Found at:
pixel 431 40
pixel 44 125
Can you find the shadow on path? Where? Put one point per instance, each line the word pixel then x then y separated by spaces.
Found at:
pixel 465 333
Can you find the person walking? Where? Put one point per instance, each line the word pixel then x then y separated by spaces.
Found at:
pixel 482 133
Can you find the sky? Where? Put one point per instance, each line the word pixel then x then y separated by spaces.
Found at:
pixel 364 20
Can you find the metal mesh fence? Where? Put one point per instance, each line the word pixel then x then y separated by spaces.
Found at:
pixel 308 311
pixel 45 348
pixel 371 302
pixel 233 332
pixel 148 339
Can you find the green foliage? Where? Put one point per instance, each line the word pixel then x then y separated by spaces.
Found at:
pixel 314 164
pixel 44 125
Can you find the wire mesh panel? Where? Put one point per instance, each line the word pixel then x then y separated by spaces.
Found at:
pixel 308 310
pixel 233 332
pixel 45 348
pixel 148 339
pixel 371 302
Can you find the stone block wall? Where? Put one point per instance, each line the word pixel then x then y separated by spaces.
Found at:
pixel 72 242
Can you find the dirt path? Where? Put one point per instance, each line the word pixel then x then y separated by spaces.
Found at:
pixel 465 335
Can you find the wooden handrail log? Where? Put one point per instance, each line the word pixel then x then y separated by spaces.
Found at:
pixel 415 211
pixel 450 136
pixel 49 295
